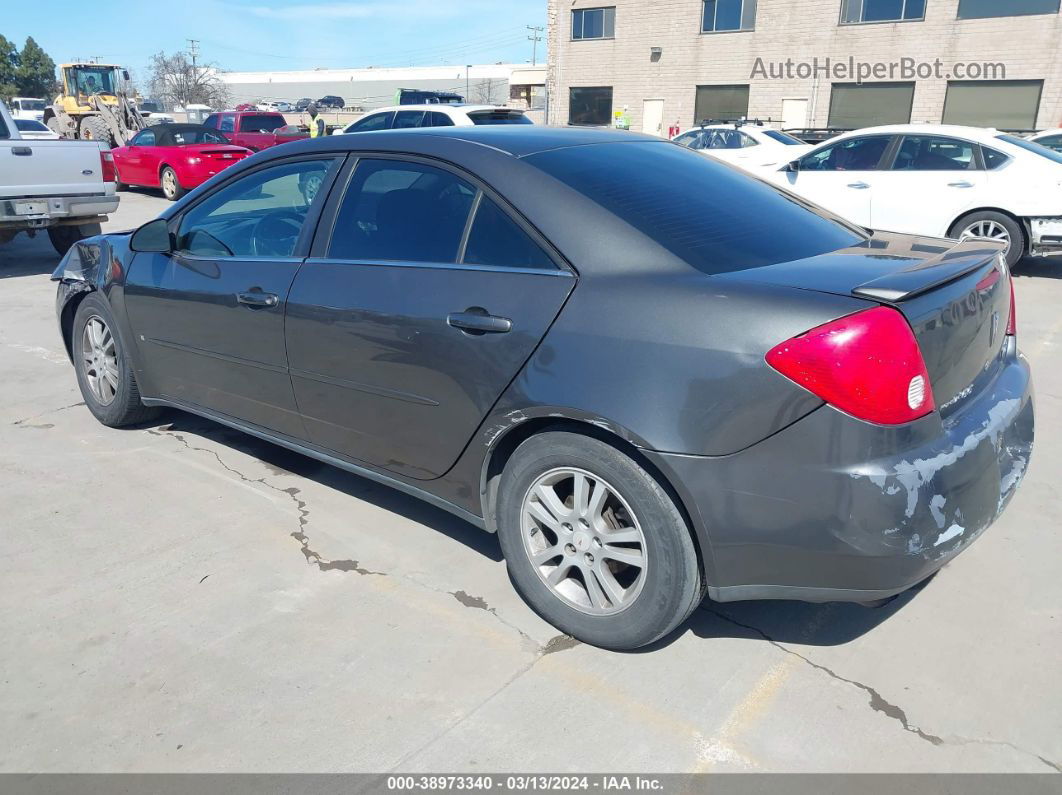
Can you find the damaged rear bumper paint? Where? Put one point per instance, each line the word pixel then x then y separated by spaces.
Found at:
pixel 849 511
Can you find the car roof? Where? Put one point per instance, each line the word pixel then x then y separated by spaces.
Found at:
pixel 977 134
pixel 443 106
pixel 1043 133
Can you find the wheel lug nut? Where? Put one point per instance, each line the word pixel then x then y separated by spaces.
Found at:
pixel 589 559
pixel 567 527
pixel 569 548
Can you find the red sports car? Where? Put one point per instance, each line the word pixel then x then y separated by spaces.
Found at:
pixel 175 157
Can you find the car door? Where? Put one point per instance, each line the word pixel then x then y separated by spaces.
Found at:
pixel 840 176
pixel 405 326
pixel 130 161
pixel 209 317
pixel 931 181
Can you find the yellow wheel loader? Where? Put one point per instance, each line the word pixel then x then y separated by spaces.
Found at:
pixel 93 105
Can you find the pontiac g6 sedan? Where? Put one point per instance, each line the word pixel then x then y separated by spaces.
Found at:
pixel 648 400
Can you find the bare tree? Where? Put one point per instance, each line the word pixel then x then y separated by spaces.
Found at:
pixel 175 80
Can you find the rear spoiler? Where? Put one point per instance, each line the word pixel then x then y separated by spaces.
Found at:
pixel 966 257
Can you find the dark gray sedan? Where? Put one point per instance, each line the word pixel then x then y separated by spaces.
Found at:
pixel 653 376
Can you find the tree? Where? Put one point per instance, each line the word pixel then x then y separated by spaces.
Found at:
pixel 8 69
pixel 174 80
pixel 36 71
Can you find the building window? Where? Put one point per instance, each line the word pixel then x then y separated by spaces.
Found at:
pixel 982 9
pixel 594 23
pixel 590 106
pixel 854 12
pixel 721 103
pixel 1004 104
pixel 854 106
pixel 725 15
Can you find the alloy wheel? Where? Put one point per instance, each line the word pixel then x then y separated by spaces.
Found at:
pixel 169 182
pixel 100 359
pixel 584 541
pixel 990 229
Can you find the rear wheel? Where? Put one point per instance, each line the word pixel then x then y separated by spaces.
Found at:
pixel 104 370
pixel 63 237
pixel 594 544
pixel 171 188
pixel 995 226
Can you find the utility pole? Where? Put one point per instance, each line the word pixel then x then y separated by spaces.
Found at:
pixel 534 38
pixel 193 50
pixel 468 68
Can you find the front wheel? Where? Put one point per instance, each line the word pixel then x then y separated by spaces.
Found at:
pixel 594 544
pixel 171 187
pixel 104 369
pixel 995 226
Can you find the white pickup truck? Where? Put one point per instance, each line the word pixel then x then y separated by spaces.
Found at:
pixel 64 187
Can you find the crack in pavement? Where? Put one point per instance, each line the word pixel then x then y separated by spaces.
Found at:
pixel 24 420
pixel 312 557
pixel 879 704
pixel 552 646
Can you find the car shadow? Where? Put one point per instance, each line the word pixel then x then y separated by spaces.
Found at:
pixel 28 256
pixel 1039 267
pixel 283 461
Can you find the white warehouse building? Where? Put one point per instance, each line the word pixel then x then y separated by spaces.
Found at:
pixel 374 87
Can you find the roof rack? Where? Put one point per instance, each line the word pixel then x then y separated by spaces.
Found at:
pixel 742 122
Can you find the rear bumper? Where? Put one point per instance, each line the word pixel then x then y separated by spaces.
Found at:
pixel 1046 236
pixel 834 509
pixel 55 210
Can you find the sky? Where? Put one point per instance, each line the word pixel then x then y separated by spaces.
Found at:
pixel 252 35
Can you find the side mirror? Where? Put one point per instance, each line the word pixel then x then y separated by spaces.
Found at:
pixel 793 166
pixel 153 237
pixel 125 75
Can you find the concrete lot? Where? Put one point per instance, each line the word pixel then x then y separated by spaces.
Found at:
pixel 185 598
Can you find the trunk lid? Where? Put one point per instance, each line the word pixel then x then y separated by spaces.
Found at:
pixel 956 297
pixel 220 153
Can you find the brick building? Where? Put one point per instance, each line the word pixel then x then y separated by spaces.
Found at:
pixel 816 63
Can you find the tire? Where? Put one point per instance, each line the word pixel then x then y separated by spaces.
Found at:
pixel 995 225
pixel 93 128
pixel 658 594
pixel 63 237
pixel 171 186
pixel 53 125
pixel 124 406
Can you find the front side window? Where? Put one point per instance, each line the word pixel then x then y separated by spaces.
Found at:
pixel 377 121
pixel 594 23
pixel 728 139
pixel 396 210
pixel 590 106
pixel 259 215
pixel 934 153
pixel 145 138
pixel 408 119
pixel 857 11
pixel 720 16
pixel 854 154
pixel 692 140
pixel 982 9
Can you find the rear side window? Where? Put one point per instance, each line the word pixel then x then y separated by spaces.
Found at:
pixel 993 159
pixel 499 117
pixel 439 120
pixel 496 239
pixel 704 212
pixel 934 153
pixel 396 210
pixel 407 119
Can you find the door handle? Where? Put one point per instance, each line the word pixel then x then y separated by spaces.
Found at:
pixel 476 321
pixel 960 184
pixel 21 151
pixel 858 185
pixel 255 299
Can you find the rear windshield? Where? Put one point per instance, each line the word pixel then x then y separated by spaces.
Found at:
pixel 1033 147
pixel 709 214
pixel 28 125
pixel 31 104
pixel 499 117
pixel 261 123
pixel 783 138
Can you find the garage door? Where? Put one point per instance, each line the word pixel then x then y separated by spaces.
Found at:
pixel 1006 104
pixel 854 106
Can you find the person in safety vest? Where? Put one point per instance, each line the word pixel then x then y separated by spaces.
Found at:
pixel 317 123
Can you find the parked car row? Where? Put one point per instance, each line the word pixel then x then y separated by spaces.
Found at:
pixel 934 180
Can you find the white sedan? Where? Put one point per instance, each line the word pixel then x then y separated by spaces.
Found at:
pixel 938 181
pixel 405 117
pixel 29 129
pixel 1052 139
pixel 749 146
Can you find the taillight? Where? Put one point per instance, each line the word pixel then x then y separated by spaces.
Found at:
pixel 107 166
pixel 1012 324
pixel 867 364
